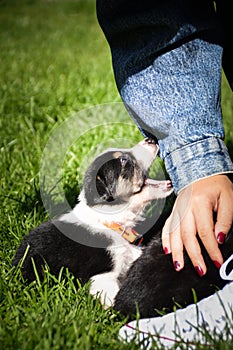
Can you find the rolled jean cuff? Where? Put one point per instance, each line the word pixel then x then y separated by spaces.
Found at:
pixel 197 161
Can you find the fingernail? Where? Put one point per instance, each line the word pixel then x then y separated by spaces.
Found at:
pixel 199 271
pixel 176 265
pixel 221 237
pixel 217 264
pixel 166 251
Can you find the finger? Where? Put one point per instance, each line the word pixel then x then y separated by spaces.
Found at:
pixel 172 242
pixel 224 218
pixel 176 242
pixel 205 230
pixel 188 232
pixel 171 224
pixel 177 249
pixel 166 236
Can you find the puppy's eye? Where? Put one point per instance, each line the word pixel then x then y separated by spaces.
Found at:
pixel 123 160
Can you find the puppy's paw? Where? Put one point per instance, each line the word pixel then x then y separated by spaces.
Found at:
pixel 105 287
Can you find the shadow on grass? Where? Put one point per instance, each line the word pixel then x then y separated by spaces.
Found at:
pixel 32 200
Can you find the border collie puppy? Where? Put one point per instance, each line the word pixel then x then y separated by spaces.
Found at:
pixel 95 240
pixel 151 285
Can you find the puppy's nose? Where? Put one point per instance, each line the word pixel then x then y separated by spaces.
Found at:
pixel 150 141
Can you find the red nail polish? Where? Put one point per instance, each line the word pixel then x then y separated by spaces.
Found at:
pixel 166 251
pixel 199 271
pixel 217 264
pixel 176 265
pixel 221 237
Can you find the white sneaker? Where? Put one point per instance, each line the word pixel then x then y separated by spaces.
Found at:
pixel 212 316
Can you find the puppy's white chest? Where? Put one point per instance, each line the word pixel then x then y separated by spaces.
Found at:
pixel 123 256
pixel 106 285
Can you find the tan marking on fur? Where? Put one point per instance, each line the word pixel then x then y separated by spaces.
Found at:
pixel 117 154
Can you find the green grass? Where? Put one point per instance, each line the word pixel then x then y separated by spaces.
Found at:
pixel 56 85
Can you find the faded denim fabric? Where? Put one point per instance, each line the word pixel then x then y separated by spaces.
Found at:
pixel 178 99
pixel 140 31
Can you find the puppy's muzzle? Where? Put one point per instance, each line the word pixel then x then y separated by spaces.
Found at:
pixel 145 152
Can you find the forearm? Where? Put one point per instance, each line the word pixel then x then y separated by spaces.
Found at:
pixel 167 64
pixel 177 99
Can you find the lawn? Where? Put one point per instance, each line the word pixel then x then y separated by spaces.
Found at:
pixel 59 106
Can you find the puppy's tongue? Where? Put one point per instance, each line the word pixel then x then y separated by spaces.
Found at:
pixel 158 183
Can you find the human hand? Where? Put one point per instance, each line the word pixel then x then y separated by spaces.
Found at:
pixel 192 215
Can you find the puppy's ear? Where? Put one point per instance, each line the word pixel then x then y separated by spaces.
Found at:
pixel 100 180
pixel 103 190
pixel 96 191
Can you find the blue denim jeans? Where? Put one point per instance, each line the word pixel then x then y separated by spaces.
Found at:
pixel 178 99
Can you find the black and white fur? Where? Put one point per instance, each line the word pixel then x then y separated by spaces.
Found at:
pixel 115 189
pixel 152 285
